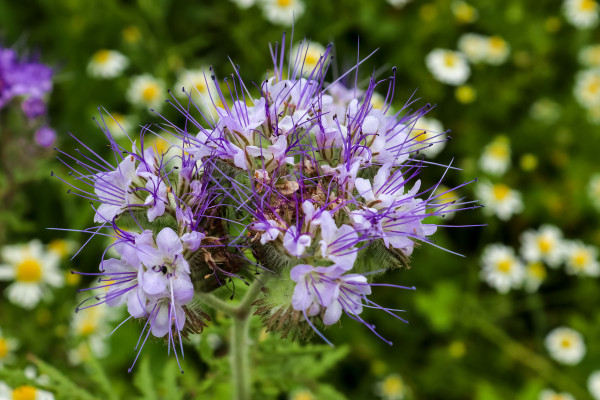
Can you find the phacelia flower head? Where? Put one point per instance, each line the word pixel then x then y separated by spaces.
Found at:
pixel 300 184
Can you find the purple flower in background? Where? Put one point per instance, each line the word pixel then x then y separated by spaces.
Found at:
pixel 25 77
pixel 33 107
pixel 45 136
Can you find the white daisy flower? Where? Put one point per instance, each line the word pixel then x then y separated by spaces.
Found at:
pixel 545 244
pixel 282 12
pixel 495 158
pixel 581 259
pixel 392 387
pixel 589 56
pixel 587 88
pixel 448 66
pixel 430 135
pixel 146 91
pixel 107 64
pixel 549 394
pixel 502 270
pixel 464 13
pixel 581 13
pixel 593 384
pixel 535 273
pixel 244 3
pixel 497 50
pixel 398 3
pixel 565 345
pixel 499 200
pixel 474 46
pixel 24 392
pixel 32 270
pixel 308 54
pixel 594 190
pixel 7 349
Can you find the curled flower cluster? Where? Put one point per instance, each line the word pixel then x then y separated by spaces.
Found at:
pixel 306 188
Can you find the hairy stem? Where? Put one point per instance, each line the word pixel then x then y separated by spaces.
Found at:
pixel 239 357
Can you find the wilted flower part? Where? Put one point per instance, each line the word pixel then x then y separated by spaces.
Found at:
pixel 32 269
pixel 502 270
pixel 549 394
pixel 282 12
pixel 448 66
pixel 499 200
pixel 583 14
pixel 593 384
pixel 146 91
pixel 392 387
pixel 565 345
pixel 495 158
pixel 581 259
pixel 107 64
pixel 545 245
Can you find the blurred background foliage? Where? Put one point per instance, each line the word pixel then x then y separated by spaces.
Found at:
pixel 465 340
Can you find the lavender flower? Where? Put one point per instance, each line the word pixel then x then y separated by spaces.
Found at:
pixel 320 187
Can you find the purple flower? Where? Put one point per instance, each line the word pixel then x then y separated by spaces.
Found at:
pixel 337 243
pixel 33 107
pixel 45 136
pixel 166 268
pixel 295 242
pixel 114 190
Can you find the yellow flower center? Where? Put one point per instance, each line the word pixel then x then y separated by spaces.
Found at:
pixel 594 86
pixel 59 246
pixel 284 3
pixel 87 328
pixel 200 86
pixel 311 59
pixel 303 395
pixel 544 244
pixel 3 348
pixel 587 5
pixel 504 266
pixel 501 191
pixel 580 258
pixel 392 385
pixel 537 270
pixel 497 44
pixel 450 60
pixel 499 150
pixel 24 393
pixel 420 135
pixel 150 92
pixel 565 343
pixel 101 56
pixel 29 271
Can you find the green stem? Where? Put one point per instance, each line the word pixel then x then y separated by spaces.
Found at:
pixel 240 365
